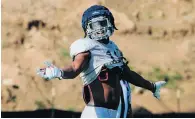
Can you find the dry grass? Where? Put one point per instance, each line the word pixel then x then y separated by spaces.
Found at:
pixel 155 37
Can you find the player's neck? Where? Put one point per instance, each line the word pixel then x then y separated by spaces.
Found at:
pixel 104 41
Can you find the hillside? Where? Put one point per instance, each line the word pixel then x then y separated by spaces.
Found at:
pixel 156 36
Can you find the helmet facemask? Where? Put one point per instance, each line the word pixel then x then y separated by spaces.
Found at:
pixel 99 28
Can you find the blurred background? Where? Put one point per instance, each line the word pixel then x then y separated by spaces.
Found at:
pixel 156 36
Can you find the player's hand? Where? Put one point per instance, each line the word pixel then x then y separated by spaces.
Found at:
pixel 158 85
pixel 50 72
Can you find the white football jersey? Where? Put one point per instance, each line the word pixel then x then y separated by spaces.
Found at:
pixel 101 54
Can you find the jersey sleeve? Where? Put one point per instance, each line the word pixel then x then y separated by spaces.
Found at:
pixel 79 46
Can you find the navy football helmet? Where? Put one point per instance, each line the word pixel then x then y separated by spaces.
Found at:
pixel 98 22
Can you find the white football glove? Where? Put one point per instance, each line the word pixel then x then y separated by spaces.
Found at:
pixel 50 72
pixel 158 85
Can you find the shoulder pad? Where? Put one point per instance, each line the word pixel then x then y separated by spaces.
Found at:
pixel 81 45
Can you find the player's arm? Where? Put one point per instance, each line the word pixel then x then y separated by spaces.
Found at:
pixel 80 61
pixel 134 78
pixel 137 80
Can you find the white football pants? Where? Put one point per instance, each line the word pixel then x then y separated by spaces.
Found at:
pixel 98 112
pixel 101 112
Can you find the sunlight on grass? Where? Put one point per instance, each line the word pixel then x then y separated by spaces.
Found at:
pixel 64 52
pixel 40 105
pixel 157 74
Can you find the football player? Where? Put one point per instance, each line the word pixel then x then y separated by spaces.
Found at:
pixel 102 68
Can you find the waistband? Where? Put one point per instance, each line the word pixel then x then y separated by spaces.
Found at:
pixel 103 106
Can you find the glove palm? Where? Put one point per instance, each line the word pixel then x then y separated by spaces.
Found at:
pixel 50 72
